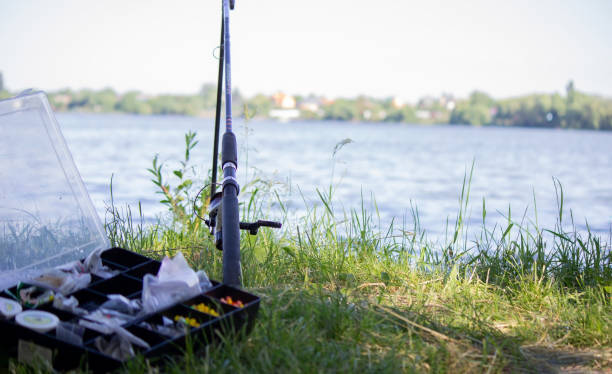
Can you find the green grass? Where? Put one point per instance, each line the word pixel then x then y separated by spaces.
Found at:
pixel 341 294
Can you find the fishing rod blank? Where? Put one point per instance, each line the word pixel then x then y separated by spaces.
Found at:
pixel 230 218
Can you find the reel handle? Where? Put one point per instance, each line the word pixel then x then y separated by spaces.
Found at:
pixel 253 227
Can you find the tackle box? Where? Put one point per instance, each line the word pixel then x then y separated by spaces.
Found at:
pixel 47 220
pixel 128 282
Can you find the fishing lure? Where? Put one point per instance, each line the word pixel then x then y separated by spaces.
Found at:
pixel 228 300
pixel 205 309
pixel 187 321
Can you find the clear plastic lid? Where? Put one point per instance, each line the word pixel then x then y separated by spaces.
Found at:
pixel 46 216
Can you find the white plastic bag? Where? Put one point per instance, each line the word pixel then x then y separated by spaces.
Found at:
pixel 177 269
pixel 122 304
pixel 119 345
pixel 94 265
pixel 175 282
pixel 69 304
pixel 64 279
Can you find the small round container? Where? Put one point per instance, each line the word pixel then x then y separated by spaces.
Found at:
pixel 37 320
pixel 9 308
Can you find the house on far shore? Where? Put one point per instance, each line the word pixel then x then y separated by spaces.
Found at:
pixel 397 103
pixel 285 107
pixel 283 101
pixel 310 108
pixel 309 105
pixel 423 114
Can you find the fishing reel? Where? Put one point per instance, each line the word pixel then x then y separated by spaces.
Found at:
pixel 214 222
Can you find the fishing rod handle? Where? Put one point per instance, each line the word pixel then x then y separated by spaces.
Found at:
pixel 231 237
pixel 230 218
pixel 229 153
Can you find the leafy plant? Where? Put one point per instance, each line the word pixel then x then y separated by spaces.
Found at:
pixel 181 198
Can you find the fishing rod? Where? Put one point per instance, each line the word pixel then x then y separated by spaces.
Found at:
pixel 224 219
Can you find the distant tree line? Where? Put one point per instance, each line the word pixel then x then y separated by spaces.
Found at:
pixel 576 110
pixel 107 100
pixel 573 110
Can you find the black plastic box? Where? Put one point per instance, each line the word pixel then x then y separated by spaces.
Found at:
pixel 132 266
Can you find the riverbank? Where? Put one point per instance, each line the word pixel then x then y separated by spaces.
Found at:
pixel 340 295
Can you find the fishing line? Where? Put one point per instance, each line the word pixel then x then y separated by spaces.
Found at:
pixel 215 50
pixel 195 200
pixel 213 184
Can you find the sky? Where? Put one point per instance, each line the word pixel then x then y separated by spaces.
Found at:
pixel 401 48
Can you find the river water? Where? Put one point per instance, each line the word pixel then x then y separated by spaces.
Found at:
pixel 402 166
